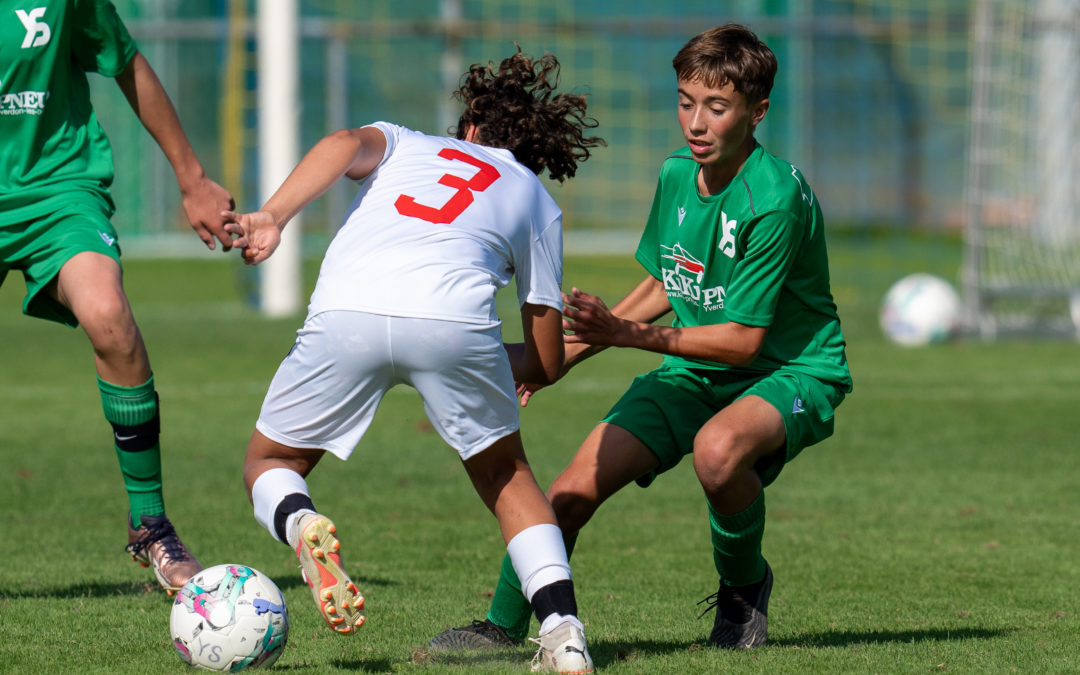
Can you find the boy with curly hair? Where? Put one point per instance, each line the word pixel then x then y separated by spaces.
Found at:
pixel 406 295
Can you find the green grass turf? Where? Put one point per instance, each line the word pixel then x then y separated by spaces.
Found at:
pixel 937 530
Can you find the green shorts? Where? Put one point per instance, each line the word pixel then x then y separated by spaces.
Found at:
pixel 40 247
pixel 666 407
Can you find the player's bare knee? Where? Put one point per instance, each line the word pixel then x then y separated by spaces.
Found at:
pixel 109 325
pixel 572 509
pixel 717 459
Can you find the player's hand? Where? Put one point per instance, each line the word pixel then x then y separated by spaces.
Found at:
pixel 257 234
pixel 526 391
pixel 204 203
pixel 587 320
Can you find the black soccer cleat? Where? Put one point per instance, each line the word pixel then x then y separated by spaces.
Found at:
pixel 741 614
pixel 477 635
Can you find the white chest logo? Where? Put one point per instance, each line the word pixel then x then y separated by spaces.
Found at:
pixel 682 214
pixel 37 32
pixel 727 239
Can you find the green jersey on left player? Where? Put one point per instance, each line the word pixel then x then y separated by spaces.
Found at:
pixel 51 145
pixel 56 167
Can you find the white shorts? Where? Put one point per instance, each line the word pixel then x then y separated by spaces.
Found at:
pixel 325 393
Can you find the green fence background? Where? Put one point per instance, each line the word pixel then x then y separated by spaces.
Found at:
pixel 871 100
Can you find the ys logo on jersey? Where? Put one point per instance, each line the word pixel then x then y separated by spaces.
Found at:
pixel 684 279
pixel 38 34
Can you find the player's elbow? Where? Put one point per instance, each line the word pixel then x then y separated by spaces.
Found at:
pixel 746 346
pixel 743 357
pixel 541 371
pixel 546 375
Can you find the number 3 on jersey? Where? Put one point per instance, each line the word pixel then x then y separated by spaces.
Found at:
pixel 482 180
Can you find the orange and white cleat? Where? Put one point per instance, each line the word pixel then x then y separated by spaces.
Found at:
pixel 336 596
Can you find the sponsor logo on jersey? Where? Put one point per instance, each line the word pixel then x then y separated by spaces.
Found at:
pixel 38 33
pixel 682 214
pixel 108 239
pixel 684 280
pixel 23 103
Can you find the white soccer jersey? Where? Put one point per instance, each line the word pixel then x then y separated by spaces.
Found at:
pixel 437 229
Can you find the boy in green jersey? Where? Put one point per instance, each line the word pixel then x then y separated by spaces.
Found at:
pixel 55 207
pixel 754 362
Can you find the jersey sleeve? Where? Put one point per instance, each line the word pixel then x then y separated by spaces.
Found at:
pixel 771 243
pixel 392 132
pixel 539 274
pixel 100 41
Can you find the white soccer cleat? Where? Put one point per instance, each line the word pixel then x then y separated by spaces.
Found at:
pixel 562 650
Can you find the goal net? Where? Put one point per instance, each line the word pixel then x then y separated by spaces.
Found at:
pixel 1022 237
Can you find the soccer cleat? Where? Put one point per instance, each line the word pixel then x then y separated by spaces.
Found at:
pixel 741 614
pixel 562 650
pixel 477 635
pixel 336 596
pixel 155 544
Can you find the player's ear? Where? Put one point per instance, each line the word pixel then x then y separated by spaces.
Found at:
pixel 470 133
pixel 758 110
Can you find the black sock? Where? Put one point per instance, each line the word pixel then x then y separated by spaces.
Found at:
pixel 297 501
pixel 555 598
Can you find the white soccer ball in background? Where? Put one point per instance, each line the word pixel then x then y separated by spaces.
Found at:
pixel 920 309
pixel 229 617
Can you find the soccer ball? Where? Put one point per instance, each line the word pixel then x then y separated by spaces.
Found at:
pixel 229 617
pixel 920 309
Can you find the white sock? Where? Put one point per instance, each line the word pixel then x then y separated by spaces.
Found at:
pixel 270 488
pixel 291 529
pixel 539 557
pixel 555 619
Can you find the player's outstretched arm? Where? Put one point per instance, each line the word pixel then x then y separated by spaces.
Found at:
pixel 647 303
pixel 350 152
pixel 588 321
pixel 203 199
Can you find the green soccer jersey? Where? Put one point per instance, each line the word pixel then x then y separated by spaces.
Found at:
pixel 52 148
pixel 754 254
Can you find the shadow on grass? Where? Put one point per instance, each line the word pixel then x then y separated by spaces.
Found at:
pixel 511 656
pixel 848 638
pixel 143 587
pixel 605 652
pixel 363 665
pixel 85 590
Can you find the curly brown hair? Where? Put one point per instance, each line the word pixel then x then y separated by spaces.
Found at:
pixel 515 107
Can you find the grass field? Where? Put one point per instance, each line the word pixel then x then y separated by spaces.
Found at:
pixel 937 530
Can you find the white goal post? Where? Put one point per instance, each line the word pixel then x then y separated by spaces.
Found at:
pixel 279 132
pixel 1022 232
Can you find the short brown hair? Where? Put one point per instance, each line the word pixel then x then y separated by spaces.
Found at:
pixel 515 107
pixel 729 53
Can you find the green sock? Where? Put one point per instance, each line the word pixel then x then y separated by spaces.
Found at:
pixel 736 541
pixel 133 414
pixel 509 607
